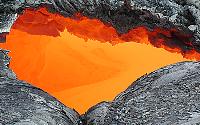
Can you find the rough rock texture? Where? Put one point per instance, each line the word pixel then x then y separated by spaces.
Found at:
pixel 6 21
pixel 168 96
pixel 96 114
pixel 123 15
pixel 23 104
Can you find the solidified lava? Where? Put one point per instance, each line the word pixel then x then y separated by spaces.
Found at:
pixel 42 22
pixel 169 24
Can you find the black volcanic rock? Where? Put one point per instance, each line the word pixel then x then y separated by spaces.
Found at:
pixel 168 96
pixel 121 14
pixel 23 104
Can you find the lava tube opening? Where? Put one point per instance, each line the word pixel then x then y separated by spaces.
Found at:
pixel 74 63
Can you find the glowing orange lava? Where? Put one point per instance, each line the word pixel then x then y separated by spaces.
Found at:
pixel 79 73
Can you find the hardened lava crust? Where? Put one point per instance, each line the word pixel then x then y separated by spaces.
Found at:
pixel 168 96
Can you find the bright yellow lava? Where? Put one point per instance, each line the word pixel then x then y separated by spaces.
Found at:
pixel 80 74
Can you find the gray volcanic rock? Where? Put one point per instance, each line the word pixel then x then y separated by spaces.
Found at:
pixel 6 21
pixel 23 104
pixel 168 96
pixel 96 114
pixel 162 13
pixel 150 13
pixel 180 17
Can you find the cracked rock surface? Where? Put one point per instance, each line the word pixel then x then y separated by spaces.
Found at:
pixel 168 96
pixel 23 104
pixel 123 15
pixel 96 114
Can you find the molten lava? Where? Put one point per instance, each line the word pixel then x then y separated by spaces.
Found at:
pixel 50 52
